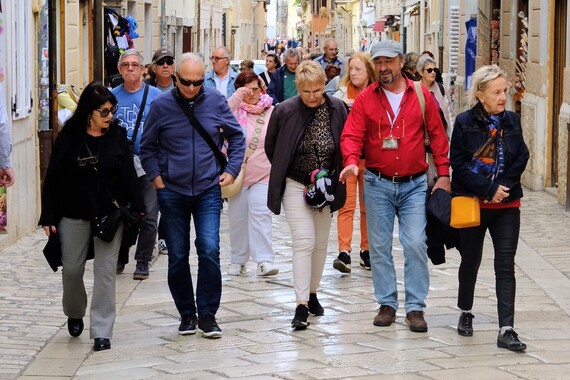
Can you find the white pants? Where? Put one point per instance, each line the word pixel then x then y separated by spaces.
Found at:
pixel 310 234
pixel 250 225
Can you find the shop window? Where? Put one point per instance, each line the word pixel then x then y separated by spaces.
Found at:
pixel 21 59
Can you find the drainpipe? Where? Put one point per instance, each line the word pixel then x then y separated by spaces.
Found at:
pixel 48 115
pixel 440 37
pixel 422 25
pixel 98 63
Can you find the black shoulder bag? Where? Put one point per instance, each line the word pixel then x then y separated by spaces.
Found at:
pixel 196 124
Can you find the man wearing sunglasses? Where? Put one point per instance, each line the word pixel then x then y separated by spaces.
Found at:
pixel 184 130
pixel 130 96
pixel 162 76
pixel 221 77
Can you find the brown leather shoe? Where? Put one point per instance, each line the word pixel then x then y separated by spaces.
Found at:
pixel 386 316
pixel 415 320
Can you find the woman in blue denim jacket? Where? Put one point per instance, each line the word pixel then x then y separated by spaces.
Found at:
pixel 488 156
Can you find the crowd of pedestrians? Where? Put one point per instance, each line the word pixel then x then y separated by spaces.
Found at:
pixel 313 136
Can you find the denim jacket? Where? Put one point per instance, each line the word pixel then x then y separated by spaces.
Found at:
pixel 470 132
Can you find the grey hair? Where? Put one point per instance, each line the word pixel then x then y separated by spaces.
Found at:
pixel 291 53
pixel 422 61
pixel 129 52
pixel 227 52
pixel 480 80
pixel 192 58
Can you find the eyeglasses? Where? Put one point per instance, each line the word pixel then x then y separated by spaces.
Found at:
pixel 106 111
pixel 168 60
pixel 93 160
pixel 188 83
pixel 432 69
pixel 134 65
pixel 216 59
pixel 255 90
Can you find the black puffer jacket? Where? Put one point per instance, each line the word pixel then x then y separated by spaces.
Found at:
pixel 470 132
pixel 284 133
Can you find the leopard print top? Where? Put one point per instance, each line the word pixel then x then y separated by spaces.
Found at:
pixel 318 139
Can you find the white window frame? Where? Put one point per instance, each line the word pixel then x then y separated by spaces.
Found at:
pixel 21 59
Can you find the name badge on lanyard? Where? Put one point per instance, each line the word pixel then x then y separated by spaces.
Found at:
pixel 391 142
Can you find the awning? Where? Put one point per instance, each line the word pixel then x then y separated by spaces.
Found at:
pixel 378 26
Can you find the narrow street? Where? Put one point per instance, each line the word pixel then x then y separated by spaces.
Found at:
pixel 257 341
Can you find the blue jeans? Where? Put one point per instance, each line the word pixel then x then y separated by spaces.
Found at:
pixel 177 211
pixel 384 200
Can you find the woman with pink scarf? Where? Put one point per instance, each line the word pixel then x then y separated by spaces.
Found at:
pixel 250 219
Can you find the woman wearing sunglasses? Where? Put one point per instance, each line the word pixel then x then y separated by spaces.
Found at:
pixel 427 69
pixel 249 216
pixel 91 169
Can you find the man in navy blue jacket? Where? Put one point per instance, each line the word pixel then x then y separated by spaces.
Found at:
pixel 185 172
pixel 282 85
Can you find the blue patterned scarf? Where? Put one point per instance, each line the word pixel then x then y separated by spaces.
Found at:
pixel 489 160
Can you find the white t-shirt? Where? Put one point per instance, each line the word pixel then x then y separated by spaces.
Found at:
pixel 394 100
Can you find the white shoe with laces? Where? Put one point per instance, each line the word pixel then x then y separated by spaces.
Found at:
pixel 162 248
pixel 236 270
pixel 266 269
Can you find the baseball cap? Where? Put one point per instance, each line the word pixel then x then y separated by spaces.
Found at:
pixel 385 48
pixel 161 53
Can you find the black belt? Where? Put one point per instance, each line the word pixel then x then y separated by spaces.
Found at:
pixel 396 178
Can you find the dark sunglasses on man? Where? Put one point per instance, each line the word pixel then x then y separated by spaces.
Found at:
pixel 168 60
pixel 188 83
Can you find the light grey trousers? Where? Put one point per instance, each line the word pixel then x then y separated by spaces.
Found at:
pixel 75 235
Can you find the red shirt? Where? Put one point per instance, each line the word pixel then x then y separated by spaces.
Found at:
pixel 368 124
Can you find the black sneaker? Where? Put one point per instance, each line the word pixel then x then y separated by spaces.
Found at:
pixel 315 307
pixel 120 268
pixel 365 259
pixel 465 324
pixel 342 262
pixel 510 340
pixel 188 325
pixel 300 322
pixel 208 327
pixel 141 272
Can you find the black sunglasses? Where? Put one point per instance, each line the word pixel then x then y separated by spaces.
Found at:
pixel 168 60
pixel 188 83
pixel 431 70
pixel 106 111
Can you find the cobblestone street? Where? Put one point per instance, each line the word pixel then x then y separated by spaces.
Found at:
pixel 255 316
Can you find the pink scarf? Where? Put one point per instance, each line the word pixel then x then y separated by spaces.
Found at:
pixel 265 101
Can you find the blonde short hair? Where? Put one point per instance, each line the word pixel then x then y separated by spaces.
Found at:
pixel 309 72
pixel 480 80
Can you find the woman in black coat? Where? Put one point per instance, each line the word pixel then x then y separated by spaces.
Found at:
pixel 90 175
pixel 303 137
pixel 488 156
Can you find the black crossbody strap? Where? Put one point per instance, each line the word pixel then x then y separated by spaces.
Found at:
pixel 140 114
pixel 196 124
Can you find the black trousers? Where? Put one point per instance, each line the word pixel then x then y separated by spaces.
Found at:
pixel 504 227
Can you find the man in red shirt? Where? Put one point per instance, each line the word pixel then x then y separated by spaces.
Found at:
pixel 386 124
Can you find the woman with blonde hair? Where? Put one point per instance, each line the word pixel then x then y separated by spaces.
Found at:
pixel 303 146
pixel 360 74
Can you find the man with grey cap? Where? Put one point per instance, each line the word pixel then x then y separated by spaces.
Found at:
pixel 386 123
pixel 162 76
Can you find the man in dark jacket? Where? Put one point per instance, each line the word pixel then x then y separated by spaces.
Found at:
pixel 186 173
pixel 282 85
pixel 163 69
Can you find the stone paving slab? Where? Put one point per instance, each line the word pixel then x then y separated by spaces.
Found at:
pixel 257 342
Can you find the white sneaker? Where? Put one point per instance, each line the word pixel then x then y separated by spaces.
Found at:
pixel 162 248
pixel 236 270
pixel 266 269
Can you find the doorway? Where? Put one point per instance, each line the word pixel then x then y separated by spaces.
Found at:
pixel 559 60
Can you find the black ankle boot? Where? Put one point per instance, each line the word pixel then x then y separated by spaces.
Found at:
pixel 465 324
pixel 315 307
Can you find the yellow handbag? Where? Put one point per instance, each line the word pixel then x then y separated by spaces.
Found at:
pixel 465 212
